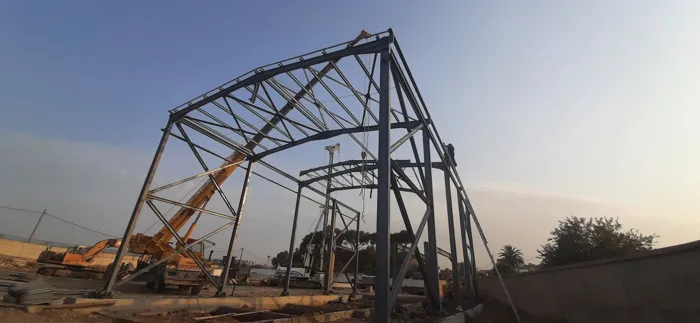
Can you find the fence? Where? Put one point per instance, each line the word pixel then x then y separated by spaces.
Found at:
pixel 44 228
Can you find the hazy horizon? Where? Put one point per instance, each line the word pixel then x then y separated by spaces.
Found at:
pixel 555 109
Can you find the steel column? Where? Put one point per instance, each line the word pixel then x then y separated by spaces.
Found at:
pixel 291 243
pixel 414 236
pixel 406 261
pixel 382 291
pixel 468 278
pixel 324 232
pixel 468 224
pixel 456 290
pixel 357 254
pixel 432 264
pixel 107 289
pixel 234 233
pixel 331 251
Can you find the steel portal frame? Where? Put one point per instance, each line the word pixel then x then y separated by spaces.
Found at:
pixel 285 98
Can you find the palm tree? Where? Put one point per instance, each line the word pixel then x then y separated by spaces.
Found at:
pixel 511 257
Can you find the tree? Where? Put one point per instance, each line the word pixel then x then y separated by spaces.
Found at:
pixel 579 239
pixel 445 273
pixel 281 259
pixel 510 259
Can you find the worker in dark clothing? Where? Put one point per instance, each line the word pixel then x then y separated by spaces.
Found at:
pixel 451 153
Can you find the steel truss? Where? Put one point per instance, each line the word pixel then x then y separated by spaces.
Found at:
pixel 314 97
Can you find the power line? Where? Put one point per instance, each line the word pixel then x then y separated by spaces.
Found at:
pixel 59 218
pixel 16 209
pixel 80 226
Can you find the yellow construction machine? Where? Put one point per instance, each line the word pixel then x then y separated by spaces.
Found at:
pixel 75 261
pixel 181 269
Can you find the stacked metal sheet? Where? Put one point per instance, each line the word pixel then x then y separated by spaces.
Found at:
pixel 35 292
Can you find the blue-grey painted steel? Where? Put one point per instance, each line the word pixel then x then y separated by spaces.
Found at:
pixel 234 233
pixel 177 237
pixel 291 244
pixel 409 229
pixel 413 249
pixel 469 263
pixel 382 310
pixel 137 209
pixel 432 234
pixel 331 249
pixel 206 168
pixel 168 257
pixel 456 290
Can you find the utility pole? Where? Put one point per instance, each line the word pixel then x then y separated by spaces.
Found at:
pixel 238 272
pixel 324 236
pixel 36 226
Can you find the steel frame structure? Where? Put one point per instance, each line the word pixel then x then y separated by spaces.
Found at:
pixel 291 99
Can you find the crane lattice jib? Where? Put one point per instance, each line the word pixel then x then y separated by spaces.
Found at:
pixel 207 190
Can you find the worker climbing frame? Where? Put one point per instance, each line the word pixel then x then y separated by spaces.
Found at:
pixel 312 98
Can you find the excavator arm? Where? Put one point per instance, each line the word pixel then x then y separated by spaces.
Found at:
pixel 86 258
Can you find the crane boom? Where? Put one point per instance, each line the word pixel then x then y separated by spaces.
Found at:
pixel 206 191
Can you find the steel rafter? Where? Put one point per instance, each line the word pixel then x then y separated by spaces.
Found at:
pixel 300 101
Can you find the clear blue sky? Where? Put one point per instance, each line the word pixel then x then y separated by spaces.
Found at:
pixel 591 101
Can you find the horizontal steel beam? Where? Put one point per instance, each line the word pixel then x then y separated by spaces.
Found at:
pixel 444 253
pixel 333 133
pixel 370 186
pixel 158 198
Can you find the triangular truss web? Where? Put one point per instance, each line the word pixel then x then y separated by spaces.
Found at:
pixel 356 89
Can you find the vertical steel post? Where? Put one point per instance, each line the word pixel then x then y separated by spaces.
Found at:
pixel 234 233
pixel 475 280
pixel 107 289
pixel 288 272
pixel 36 226
pixel 468 274
pixel 331 251
pixel 456 290
pixel 394 255
pixel 357 255
pixel 432 264
pixel 324 232
pixel 382 292
pixel 426 253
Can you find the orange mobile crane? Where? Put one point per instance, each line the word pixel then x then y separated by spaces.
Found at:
pixel 181 269
pixel 158 246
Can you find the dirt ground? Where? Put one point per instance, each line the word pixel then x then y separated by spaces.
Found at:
pixel 499 313
pixel 139 289
pixel 17 264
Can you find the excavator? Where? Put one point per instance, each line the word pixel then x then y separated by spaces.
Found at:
pixel 181 269
pixel 75 261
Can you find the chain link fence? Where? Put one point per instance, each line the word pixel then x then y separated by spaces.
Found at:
pixel 42 227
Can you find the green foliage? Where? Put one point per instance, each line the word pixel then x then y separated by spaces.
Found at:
pixel 367 259
pixel 579 239
pixel 510 259
pixel 280 259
